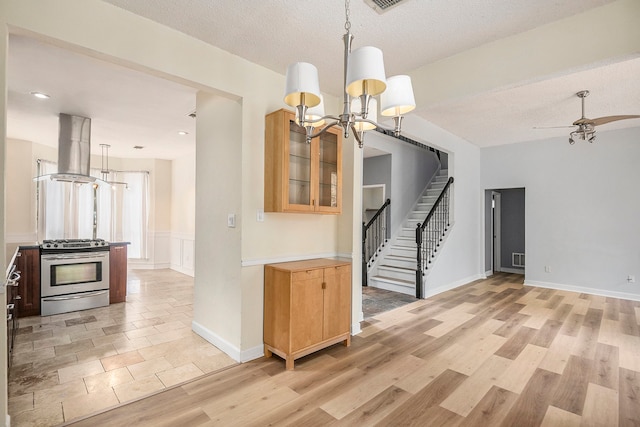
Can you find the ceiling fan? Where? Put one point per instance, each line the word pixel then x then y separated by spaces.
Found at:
pixel 586 127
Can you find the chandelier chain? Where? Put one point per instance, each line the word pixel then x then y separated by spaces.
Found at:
pixel 347 12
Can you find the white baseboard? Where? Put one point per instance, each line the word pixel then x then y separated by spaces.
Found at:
pixel 582 289
pixel 512 270
pixel 355 328
pixel 435 291
pixel 232 351
pixel 252 353
pixel 488 273
pixel 147 265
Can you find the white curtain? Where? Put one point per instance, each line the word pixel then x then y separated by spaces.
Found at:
pixel 66 210
pixel 134 212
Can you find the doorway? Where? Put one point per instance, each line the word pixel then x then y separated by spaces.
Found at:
pixel 505 231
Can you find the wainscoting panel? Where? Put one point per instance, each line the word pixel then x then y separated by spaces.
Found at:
pixel 183 253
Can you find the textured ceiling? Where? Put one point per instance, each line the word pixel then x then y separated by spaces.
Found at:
pixel 127 108
pixel 416 32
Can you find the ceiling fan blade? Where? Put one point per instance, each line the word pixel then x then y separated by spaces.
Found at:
pixel 552 127
pixel 608 119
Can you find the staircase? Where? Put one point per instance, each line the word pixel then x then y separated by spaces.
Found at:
pixel 395 269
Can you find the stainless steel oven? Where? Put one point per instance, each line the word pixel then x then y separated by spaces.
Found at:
pixel 73 277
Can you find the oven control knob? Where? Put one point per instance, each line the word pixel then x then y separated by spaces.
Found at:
pixel 55 245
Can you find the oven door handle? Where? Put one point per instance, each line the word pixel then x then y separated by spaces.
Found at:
pixel 73 256
pixel 76 296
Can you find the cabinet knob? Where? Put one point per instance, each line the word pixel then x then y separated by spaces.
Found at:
pixel 324 285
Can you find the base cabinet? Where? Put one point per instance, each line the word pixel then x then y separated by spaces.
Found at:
pixel 117 273
pixel 28 265
pixel 307 307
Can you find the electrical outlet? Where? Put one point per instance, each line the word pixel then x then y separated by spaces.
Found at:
pixel 631 279
pixel 547 269
pixel 260 215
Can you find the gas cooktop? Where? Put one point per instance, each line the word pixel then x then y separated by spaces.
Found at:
pixel 74 244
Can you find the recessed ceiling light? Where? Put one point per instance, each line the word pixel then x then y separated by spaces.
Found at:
pixel 40 95
pixel 182 132
pixel 138 147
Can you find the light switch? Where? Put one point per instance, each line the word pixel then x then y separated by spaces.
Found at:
pixel 231 220
pixel 260 215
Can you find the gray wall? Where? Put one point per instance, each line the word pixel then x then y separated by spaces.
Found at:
pixel 582 230
pixel 377 170
pixel 411 167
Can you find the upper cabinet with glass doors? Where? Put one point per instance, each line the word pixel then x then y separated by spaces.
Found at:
pixel 301 177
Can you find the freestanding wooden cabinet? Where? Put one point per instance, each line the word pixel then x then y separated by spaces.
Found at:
pixel 117 273
pixel 301 177
pixel 307 307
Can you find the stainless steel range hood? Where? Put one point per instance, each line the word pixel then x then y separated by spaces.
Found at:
pixel 74 148
pixel 74 151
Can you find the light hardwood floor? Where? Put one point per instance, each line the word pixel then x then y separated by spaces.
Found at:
pixel 491 353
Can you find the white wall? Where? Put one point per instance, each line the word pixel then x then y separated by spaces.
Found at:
pixel 183 206
pixel 582 208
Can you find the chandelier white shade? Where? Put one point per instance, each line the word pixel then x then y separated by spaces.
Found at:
pixel 302 86
pixel 365 72
pixel 398 99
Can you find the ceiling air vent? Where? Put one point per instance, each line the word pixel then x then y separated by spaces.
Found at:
pixel 382 6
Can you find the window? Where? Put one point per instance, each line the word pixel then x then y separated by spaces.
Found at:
pixel 66 210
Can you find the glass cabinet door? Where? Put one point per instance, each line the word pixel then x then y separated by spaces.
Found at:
pixel 301 176
pixel 299 166
pixel 328 173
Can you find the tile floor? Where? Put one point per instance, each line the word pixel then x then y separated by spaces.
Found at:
pixel 376 301
pixel 70 365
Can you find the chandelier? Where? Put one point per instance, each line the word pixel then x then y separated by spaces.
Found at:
pixel 364 78
pixel 105 171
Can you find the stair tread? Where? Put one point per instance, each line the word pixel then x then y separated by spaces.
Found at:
pixel 392 280
pixel 393 267
pixel 400 258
